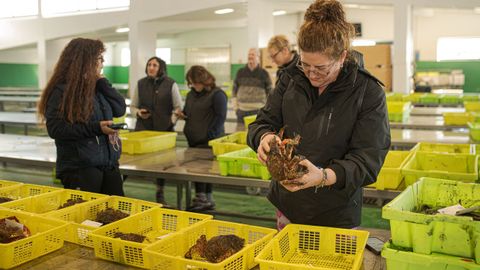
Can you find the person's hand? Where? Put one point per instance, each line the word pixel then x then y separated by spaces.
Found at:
pixel 264 147
pixel 313 178
pixel 144 114
pixel 179 113
pixel 104 125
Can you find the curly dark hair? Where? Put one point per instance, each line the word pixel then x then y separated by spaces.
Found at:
pixel 199 74
pixel 77 69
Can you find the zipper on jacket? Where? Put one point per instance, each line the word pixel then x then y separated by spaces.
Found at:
pixel 98 141
pixel 329 118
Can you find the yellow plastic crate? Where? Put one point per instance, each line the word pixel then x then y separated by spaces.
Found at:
pixel 314 247
pixel 152 223
pixel 50 201
pixel 458 119
pixel 169 252
pixel 474 129
pixel 140 142
pixel 6 183
pixel 398 106
pixel 229 143
pixel 414 97
pixel 471 106
pixel 47 236
pixel 78 233
pixel 244 163
pixel 460 167
pixel 249 119
pixel 17 192
pixel 445 148
pixel 390 175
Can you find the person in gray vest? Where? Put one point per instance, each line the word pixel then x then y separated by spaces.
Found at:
pixel 204 113
pixel 154 101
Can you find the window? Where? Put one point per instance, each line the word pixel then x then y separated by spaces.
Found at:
pixel 18 8
pixel 125 57
pixel 453 48
pixel 165 54
pixel 52 8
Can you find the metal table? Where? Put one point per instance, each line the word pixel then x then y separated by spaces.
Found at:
pixel 435 111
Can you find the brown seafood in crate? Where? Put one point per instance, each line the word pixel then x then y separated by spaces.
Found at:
pixel 215 250
pixel 12 230
pixel 71 202
pixel 5 199
pixel 282 163
pixel 133 237
pixel 110 215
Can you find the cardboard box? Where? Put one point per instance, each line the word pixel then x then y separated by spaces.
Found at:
pixel 376 56
pixel 384 74
pixel 265 60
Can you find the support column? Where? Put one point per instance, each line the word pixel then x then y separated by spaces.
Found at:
pixel 142 39
pixel 42 63
pixel 260 23
pixel 403 47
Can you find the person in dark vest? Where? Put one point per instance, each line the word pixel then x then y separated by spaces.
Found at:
pixel 204 113
pixel 154 101
pixel 78 106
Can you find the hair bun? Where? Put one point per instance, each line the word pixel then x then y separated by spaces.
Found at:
pixel 324 11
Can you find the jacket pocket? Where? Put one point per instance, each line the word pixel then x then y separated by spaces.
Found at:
pixel 90 151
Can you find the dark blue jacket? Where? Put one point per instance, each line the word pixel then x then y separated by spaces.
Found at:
pixel 81 145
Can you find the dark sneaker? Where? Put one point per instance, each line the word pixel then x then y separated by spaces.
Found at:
pixel 201 205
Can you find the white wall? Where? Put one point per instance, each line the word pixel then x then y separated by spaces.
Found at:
pixel 444 23
pixel 288 25
pixel 19 56
pixel 377 24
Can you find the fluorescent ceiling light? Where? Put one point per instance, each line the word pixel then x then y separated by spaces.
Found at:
pixel 363 42
pixel 351 6
pixel 279 12
pixel 476 10
pixel 224 11
pixel 122 30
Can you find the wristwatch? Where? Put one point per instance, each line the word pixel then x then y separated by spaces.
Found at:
pixel 323 181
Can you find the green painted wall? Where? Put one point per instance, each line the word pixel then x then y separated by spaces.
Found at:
pixel 18 75
pixel 471 69
pixel 26 75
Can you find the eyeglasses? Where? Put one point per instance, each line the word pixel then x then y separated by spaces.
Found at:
pixel 272 56
pixel 321 71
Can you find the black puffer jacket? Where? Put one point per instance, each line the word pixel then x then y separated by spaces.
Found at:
pixel 345 129
pixel 82 145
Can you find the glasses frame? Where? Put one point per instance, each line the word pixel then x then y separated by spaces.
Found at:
pixel 322 71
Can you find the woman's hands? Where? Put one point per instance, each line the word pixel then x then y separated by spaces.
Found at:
pixel 264 146
pixel 314 177
pixel 143 113
pixel 104 125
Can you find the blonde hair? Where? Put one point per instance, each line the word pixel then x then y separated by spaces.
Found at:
pixel 325 29
pixel 278 42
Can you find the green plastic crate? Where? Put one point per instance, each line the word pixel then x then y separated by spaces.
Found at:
pixel 470 97
pixel 404 260
pixel 394 97
pixel 445 148
pixel 458 118
pixel 414 97
pixel 390 175
pixel 430 99
pixel 398 106
pixel 233 142
pixel 422 233
pixel 471 106
pixel 450 99
pixel 399 117
pixel 242 163
pixel 249 119
pixel 474 131
pixel 461 167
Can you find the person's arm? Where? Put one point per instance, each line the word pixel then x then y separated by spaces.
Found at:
pixel 60 129
pixel 176 98
pixel 134 102
pixel 113 97
pixel 269 118
pixel 234 93
pixel 369 143
pixel 217 127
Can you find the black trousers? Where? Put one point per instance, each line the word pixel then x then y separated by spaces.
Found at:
pixel 203 187
pixel 100 180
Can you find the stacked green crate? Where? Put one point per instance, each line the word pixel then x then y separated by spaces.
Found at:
pixel 414 229
pixel 451 99
pixel 432 99
pixel 398 111
pixel 242 163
